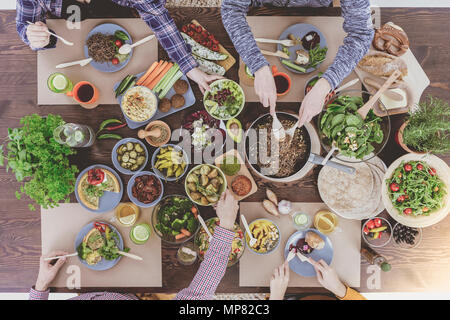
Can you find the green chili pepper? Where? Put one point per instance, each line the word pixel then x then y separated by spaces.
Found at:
pixel 106 122
pixel 121 35
pixel 109 136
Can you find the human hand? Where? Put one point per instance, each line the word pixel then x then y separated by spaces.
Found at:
pixel 328 278
pixel 227 209
pixel 47 271
pixel 37 35
pixel 279 282
pixel 265 88
pixel 202 79
pixel 314 101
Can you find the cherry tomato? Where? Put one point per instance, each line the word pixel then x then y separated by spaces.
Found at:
pixel 420 167
pixel 118 43
pixel 407 211
pixel 432 171
pixel 401 198
pixel 198 29
pixel 407 167
pixel 436 189
pixel 399 175
pixel 115 61
pixel 190 33
pixel 377 222
pixel 425 209
pixel 366 230
pixel 394 186
pixel 370 224
pixel 184 29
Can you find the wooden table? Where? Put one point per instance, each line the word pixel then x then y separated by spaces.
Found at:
pixel 424 269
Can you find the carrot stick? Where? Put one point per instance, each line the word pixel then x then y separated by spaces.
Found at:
pixel 180 236
pixel 151 75
pixel 142 79
pixel 185 232
pixel 155 73
pixel 160 76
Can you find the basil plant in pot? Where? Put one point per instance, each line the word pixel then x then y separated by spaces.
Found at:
pixel 426 129
pixel 39 163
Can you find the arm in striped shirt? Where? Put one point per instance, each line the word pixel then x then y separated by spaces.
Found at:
pixel 212 269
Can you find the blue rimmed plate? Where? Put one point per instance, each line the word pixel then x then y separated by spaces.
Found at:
pixel 299 30
pixel 108 29
pixel 136 201
pixel 109 200
pixel 116 162
pixel 103 264
pixel 189 99
pixel 305 269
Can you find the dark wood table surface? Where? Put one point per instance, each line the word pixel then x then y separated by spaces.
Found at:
pixel 426 268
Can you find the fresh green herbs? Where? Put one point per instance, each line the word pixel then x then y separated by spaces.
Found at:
pixel 38 161
pixel 428 127
pixel 341 124
pixel 415 189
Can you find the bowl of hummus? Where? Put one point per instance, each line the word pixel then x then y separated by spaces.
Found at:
pixel 139 104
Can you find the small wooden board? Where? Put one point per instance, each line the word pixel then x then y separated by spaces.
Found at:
pixel 243 171
pixel 228 62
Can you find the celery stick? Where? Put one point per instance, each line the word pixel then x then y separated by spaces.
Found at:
pixel 167 80
pixel 159 86
pixel 169 85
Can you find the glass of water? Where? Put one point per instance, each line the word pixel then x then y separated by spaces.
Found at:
pixel 74 135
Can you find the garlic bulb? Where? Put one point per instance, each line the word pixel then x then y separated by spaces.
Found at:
pixel 285 207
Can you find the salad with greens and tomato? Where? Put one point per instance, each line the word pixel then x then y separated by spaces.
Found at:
pixel 415 189
pixel 225 100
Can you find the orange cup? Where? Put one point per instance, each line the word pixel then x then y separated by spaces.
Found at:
pixel 275 74
pixel 76 91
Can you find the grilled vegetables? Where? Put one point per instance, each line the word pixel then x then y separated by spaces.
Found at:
pixel 131 156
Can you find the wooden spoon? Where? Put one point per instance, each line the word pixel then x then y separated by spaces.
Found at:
pixel 369 104
pixel 155 133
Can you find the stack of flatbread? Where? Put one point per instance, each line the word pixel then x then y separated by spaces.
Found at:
pixel 356 196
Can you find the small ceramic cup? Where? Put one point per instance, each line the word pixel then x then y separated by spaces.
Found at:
pixel 275 74
pixel 92 103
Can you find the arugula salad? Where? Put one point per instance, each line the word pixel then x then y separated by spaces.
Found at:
pixel 225 100
pixel 353 135
pixel 415 189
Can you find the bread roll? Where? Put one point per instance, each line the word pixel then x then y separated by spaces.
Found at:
pixel 314 240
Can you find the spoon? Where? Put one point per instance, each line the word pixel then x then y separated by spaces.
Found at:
pixel 364 110
pixel 286 42
pixel 156 133
pixel 291 131
pixel 277 128
pixel 202 222
pixel 252 240
pixel 126 48
pixel 348 84
pixel 55 35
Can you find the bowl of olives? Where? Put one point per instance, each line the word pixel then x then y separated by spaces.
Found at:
pixel 129 156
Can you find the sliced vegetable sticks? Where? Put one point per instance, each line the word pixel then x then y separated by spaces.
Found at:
pixel 149 71
pixel 155 81
pixel 162 84
pixel 155 73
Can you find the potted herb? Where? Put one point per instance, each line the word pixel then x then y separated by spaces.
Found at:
pixel 38 161
pixel 426 129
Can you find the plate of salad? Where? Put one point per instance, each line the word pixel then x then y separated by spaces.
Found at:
pixel 309 49
pixel 98 244
pixel 225 100
pixel 174 219
pixel 103 44
pixel 356 139
pixel 237 247
pixel 415 190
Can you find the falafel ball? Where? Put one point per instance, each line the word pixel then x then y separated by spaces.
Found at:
pixel 181 86
pixel 177 101
pixel 164 105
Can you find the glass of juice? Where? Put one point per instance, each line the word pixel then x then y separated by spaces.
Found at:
pixel 59 83
pixel 140 233
pixel 326 221
pixel 187 254
pixel 74 135
pixel 301 220
pixel 127 214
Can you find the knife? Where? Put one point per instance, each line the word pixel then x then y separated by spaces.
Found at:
pixel 303 258
pixel 74 63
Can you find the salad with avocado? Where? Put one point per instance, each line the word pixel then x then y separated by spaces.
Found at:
pixel 225 100
pixel 176 218
pixel 342 125
pixel 415 189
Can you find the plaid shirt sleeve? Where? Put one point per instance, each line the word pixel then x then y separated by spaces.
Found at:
pixel 157 17
pixel 212 269
pixel 38 295
pixel 33 11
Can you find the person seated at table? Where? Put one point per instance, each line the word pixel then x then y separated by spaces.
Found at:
pixel 326 276
pixel 357 24
pixel 202 287
pixel 152 12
